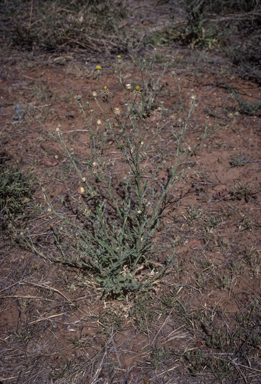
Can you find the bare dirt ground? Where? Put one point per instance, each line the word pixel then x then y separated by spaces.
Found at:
pixel 201 322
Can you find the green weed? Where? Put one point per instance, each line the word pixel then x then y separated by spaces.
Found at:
pixel 243 191
pixel 110 319
pixel 244 107
pixel 23 336
pixel 142 311
pixel 159 356
pixel 247 223
pixel 223 282
pixel 198 32
pixel 212 221
pixel 213 338
pixel 16 190
pixel 61 371
pixel 252 257
pixel 247 58
pixel 239 160
pixel 192 213
pixel 169 299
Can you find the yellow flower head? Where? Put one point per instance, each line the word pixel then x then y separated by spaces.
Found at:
pixel 98 67
pixel 119 57
pixel 105 92
pixel 137 90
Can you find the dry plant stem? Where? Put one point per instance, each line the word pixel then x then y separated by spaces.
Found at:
pixel 69 154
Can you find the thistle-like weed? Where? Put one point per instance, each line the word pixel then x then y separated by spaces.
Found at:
pixel 113 235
